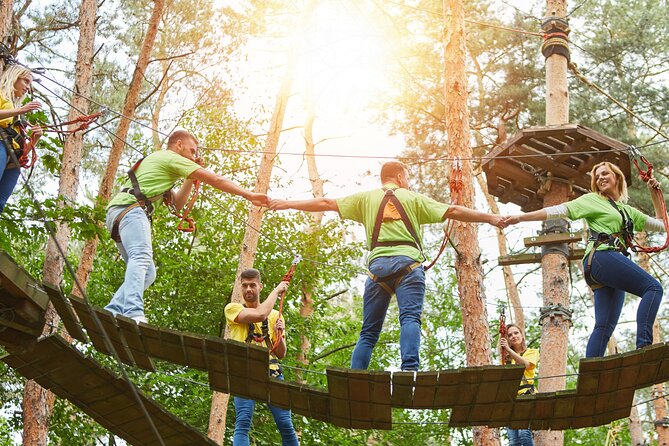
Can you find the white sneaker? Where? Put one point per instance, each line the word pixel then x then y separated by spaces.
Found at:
pixel 139 319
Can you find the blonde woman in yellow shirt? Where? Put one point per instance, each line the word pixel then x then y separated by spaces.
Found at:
pixel 14 85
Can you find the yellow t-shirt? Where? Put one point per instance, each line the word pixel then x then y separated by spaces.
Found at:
pixel 531 355
pixel 6 104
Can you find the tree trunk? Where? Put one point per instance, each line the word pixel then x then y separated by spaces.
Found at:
pixel 6 14
pixel 118 143
pixel 219 403
pixel 38 402
pixel 468 261
pixel 554 265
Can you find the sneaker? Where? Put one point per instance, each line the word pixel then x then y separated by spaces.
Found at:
pixel 139 319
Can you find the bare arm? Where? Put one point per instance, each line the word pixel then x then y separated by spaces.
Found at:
pixel 538 215
pixel 30 106
pixel 225 185
pixel 262 311
pixel 311 205
pixel 504 344
pixel 180 197
pixel 462 213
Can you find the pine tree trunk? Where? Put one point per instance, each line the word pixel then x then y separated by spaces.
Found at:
pixel 468 260
pixel 38 402
pixel 219 403
pixel 6 14
pixel 118 143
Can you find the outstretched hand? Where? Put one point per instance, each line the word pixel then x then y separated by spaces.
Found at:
pixel 278 205
pixel 30 106
pixel 257 199
pixel 498 220
pixel 512 220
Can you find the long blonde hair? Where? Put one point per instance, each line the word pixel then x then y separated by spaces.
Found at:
pixel 523 345
pixel 9 78
pixel 620 178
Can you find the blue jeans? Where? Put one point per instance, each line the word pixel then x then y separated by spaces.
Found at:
pixel 136 250
pixel 619 274
pixel 9 177
pixel 244 415
pixel 519 437
pixel 410 295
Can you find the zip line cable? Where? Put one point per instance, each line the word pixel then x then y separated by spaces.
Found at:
pixel 70 269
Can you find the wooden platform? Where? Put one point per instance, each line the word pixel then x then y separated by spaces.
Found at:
pixel 22 306
pixel 56 365
pixel 518 178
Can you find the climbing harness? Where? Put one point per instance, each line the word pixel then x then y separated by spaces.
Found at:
pixel 624 240
pixel 286 278
pixel 502 333
pixel 263 337
pixel 390 207
pixel 186 224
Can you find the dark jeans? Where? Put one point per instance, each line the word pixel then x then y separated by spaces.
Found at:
pixel 244 415
pixel 410 295
pixel 619 274
pixel 8 177
pixel 519 437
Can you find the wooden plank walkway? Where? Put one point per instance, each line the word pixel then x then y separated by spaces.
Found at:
pixel 108 399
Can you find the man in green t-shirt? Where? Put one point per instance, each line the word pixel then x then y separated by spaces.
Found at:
pixel 392 217
pixel 130 223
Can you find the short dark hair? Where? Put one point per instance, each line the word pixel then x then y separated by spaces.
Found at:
pixel 391 169
pixel 179 135
pixel 250 273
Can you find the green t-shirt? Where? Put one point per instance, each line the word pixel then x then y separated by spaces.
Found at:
pixel 363 207
pixel 602 217
pixel 156 174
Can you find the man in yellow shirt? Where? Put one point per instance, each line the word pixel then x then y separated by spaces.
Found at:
pixel 259 323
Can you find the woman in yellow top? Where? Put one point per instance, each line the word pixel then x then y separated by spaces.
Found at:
pixel 517 353
pixel 14 84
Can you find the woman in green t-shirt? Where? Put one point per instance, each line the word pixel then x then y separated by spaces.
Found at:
pixel 608 267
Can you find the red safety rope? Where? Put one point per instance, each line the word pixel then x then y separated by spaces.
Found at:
pixel 502 332
pixel 84 122
pixel 189 225
pixel 645 177
pixel 286 278
pixel 455 184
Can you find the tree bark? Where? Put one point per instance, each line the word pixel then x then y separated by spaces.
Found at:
pixel 38 402
pixel 219 403
pixel 6 13
pixel 118 143
pixel 468 260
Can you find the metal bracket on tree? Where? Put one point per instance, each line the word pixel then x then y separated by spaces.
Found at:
pixel 553 311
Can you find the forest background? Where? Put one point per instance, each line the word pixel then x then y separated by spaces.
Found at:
pixel 361 80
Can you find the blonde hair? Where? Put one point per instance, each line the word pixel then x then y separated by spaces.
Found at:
pixel 523 344
pixel 9 78
pixel 620 179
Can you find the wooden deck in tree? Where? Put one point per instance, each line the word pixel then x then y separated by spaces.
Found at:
pixel 56 365
pixel 515 170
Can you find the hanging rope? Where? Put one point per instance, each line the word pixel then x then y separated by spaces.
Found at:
pixel 286 278
pixel 84 122
pixel 646 175
pixel 455 184
pixel 502 332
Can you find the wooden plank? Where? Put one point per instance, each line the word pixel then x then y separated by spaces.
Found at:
pixel 425 390
pixel 652 357
pixel 279 393
pixel 133 340
pixel 258 372
pixel 556 237
pixel 521 259
pixel 340 411
pixel 319 404
pixel 194 347
pixel 402 389
pixel 238 369
pixel 112 331
pixel 446 393
pixel 64 310
pixel 86 318
pixel 217 364
pixel 19 283
pixel 172 347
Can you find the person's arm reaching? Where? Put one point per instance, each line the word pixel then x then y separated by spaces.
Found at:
pixel 262 311
pixel 30 106
pixel 225 185
pixel 462 213
pixel 311 205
